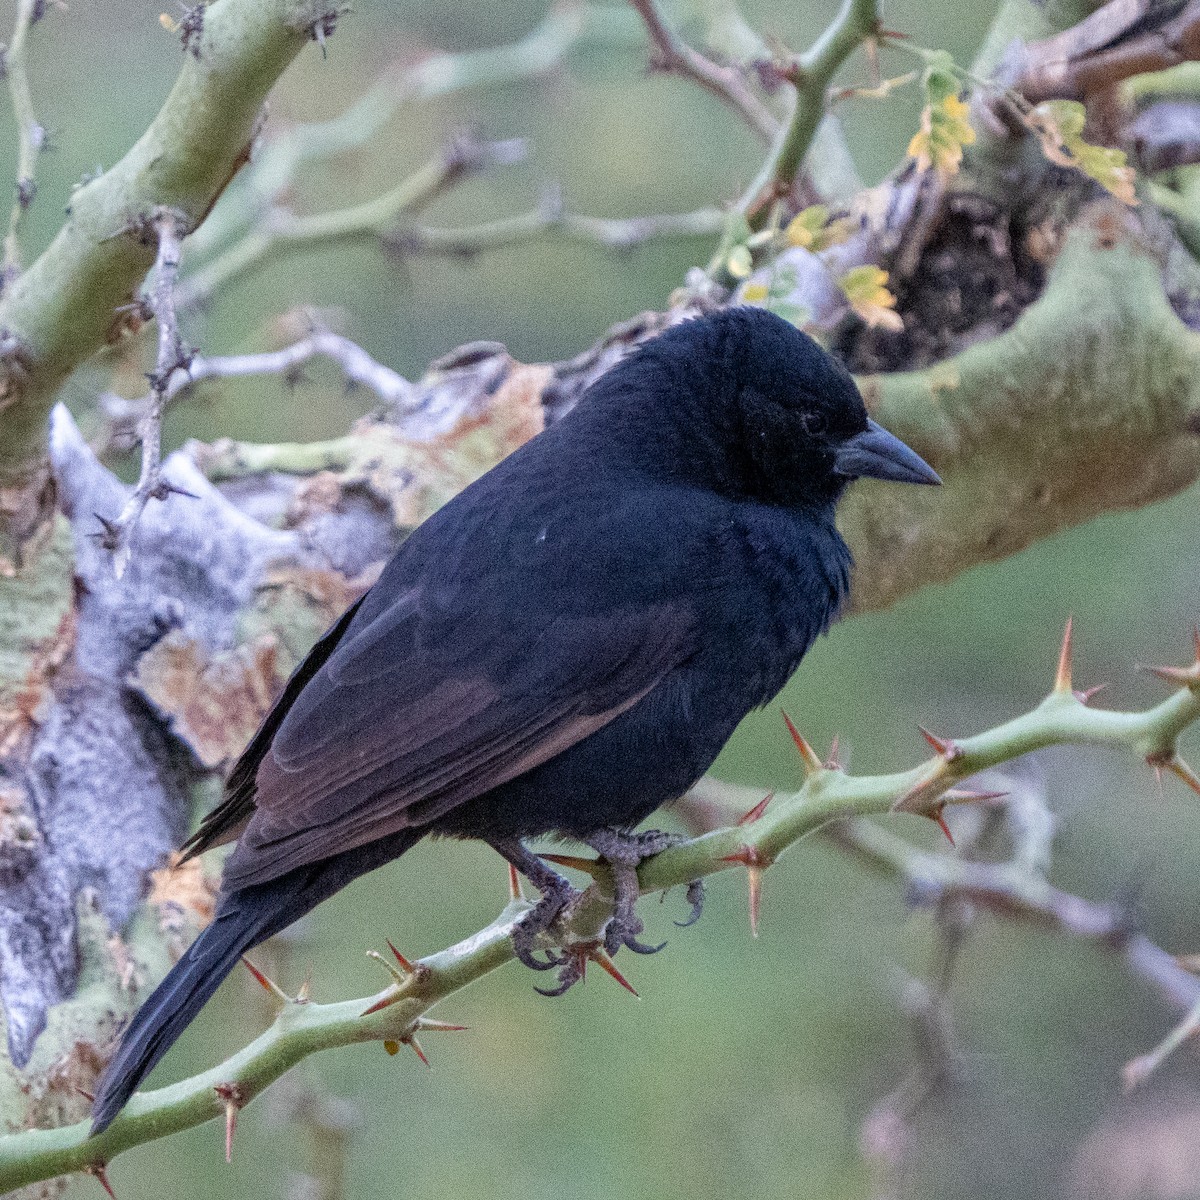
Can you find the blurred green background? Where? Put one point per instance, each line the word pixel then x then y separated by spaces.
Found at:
pixel 747 1067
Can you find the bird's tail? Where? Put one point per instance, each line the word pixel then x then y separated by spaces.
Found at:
pixel 240 924
pixel 244 919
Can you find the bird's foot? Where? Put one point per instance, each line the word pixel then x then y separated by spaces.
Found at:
pixel 557 894
pixel 695 897
pixel 625 852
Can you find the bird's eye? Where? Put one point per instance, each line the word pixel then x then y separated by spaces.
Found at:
pixel 814 423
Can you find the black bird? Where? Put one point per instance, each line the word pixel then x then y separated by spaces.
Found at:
pixel 562 648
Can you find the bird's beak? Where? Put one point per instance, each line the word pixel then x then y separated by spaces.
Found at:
pixel 882 455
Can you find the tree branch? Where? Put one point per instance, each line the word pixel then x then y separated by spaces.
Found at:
pixel 673 55
pixel 550 216
pixel 281 230
pixel 77 295
pixel 395 392
pixel 811 73
pixel 1115 43
pixel 31 137
pixel 277 165
pixel 398 1013
pixel 173 357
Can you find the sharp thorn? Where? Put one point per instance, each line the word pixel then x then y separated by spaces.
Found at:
pixel 589 866
pixel 1085 695
pixel 1189 962
pixel 971 796
pixel 600 957
pixel 385 1001
pixel 405 965
pixel 410 1040
pixel 811 759
pixel 514 884
pixel 1182 771
pixel 833 762
pixel 1179 676
pixel 754 877
pixel 88 1096
pixel 98 1171
pixel 234 1099
pixel 948 748
pixel 753 814
pixel 939 815
pixel 1162 795
pixel 266 983
pixel 439 1026
pixel 305 990
pixel 1062 677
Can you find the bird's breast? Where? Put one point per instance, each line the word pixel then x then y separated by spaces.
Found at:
pixel 779 581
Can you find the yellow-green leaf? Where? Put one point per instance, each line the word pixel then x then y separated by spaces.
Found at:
pixel 866 290
pixel 944 131
pixel 1059 125
pixel 813 230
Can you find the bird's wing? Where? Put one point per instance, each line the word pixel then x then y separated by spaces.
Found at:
pixel 227 818
pixel 422 709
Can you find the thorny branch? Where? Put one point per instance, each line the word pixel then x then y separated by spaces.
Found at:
pixel 811 73
pixel 756 841
pixel 31 137
pixel 672 54
pixel 277 164
pixel 173 358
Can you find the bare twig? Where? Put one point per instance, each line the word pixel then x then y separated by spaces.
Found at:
pixel 619 233
pixel 280 228
pixel 672 54
pixel 540 52
pixel 1009 890
pixel 31 137
pixel 173 357
pixel 394 391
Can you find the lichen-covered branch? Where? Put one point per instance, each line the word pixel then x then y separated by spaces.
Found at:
pixel 756 842
pixel 1090 403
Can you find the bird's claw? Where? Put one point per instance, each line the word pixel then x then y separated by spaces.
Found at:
pixel 625 852
pixel 537 921
pixel 695 897
pixel 622 930
pixel 570 972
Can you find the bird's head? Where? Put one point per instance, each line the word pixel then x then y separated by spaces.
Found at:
pixel 743 402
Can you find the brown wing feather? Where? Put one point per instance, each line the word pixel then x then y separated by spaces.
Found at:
pixel 225 821
pixel 386 742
